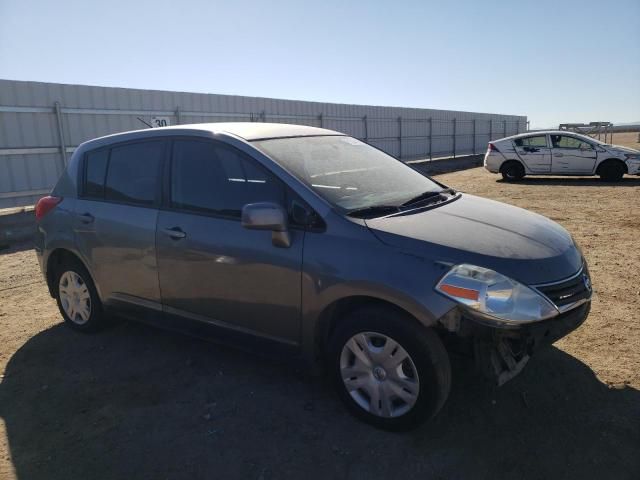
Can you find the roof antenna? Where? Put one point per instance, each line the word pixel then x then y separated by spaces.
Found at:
pixel 147 124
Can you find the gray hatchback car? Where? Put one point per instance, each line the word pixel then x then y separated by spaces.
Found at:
pixel 303 238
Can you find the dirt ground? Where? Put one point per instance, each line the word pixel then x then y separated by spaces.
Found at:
pixel 136 402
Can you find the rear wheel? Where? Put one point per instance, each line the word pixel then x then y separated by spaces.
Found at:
pixel 77 297
pixel 512 171
pixel 611 171
pixel 388 370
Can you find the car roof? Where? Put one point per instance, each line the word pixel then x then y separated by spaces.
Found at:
pixel 258 130
pixel 246 130
pixel 541 132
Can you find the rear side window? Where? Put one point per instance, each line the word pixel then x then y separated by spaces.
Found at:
pixel 95 170
pixel 207 177
pixel 132 174
pixel 537 141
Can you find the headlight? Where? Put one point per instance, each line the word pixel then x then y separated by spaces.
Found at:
pixel 632 156
pixel 494 295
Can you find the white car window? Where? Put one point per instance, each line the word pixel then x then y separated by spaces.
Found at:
pixel 537 141
pixel 565 141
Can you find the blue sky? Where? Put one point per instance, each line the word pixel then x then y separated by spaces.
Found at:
pixel 554 61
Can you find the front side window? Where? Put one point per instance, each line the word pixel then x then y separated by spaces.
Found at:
pixel 347 172
pixel 566 141
pixel 537 141
pixel 132 175
pixel 207 177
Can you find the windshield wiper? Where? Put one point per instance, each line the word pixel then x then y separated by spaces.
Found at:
pixel 373 211
pixel 429 195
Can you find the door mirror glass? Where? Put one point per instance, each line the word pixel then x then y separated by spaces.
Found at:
pixel 267 216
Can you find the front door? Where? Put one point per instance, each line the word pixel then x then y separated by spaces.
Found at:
pixel 534 152
pixel 572 155
pixel 212 269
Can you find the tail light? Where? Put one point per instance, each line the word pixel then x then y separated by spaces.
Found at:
pixel 45 205
pixel 492 148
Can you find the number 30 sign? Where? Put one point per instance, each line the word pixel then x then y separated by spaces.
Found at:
pixel 160 122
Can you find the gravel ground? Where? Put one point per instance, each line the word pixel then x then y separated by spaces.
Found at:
pixel 135 402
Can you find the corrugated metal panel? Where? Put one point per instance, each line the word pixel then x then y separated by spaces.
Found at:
pixel 30 133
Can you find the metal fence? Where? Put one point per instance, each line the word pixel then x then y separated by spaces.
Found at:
pixel 42 124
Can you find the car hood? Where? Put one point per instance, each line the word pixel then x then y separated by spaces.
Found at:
pixel 620 148
pixel 518 243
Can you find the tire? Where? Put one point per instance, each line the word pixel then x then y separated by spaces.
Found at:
pixel 611 171
pixel 77 297
pixel 512 171
pixel 410 392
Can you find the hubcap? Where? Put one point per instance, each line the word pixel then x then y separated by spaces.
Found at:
pixel 74 297
pixel 379 374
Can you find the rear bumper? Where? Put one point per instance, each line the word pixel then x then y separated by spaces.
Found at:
pixel 501 353
pixel 491 163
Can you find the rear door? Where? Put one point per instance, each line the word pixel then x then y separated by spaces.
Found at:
pixel 572 155
pixel 212 269
pixel 534 152
pixel 115 221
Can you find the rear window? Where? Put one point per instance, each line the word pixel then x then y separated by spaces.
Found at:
pixel 95 170
pixel 133 171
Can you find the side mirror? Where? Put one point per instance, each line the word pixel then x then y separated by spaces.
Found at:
pixel 267 216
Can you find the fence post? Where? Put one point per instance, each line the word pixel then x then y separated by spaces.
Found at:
pixel 430 137
pixel 474 135
pixel 504 127
pixel 63 148
pixel 263 116
pixel 178 119
pixel 455 128
pixel 528 126
pixel 490 129
pixel 400 135
pixel 366 129
pixel 321 118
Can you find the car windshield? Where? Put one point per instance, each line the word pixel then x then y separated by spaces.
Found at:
pixel 347 172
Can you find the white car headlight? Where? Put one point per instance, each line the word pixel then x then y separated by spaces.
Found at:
pixel 494 295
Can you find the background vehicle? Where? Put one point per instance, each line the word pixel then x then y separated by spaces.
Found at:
pixel 312 241
pixel 559 153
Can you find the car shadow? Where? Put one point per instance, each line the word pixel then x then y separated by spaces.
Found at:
pixel 137 402
pixel 626 181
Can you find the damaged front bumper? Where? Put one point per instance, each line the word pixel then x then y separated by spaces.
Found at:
pixel 501 352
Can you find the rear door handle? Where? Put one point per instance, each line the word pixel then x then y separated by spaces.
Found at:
pixel 86 218
pixel 175 232
pixel 559 155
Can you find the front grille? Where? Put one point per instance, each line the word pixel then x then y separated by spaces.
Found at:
pixel 569 291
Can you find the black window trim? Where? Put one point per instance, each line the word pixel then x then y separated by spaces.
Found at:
pixel 289 195
pixel 83 173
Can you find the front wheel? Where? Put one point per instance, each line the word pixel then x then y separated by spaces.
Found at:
pixel 389 371
pixel 611 171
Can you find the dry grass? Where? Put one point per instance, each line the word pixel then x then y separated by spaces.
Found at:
pixel 626 139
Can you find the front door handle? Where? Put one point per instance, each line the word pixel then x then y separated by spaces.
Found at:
pixel 86 218
pixel 175 232
pixel 559 155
